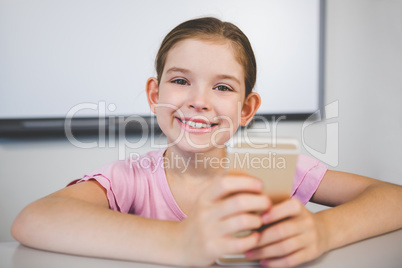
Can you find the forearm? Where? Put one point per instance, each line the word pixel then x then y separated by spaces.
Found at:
pixel 377 210
pixel 73 226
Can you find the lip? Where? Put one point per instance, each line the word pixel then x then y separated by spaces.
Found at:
pixel 190 129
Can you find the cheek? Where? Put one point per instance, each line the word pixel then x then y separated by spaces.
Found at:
pixel 231 110
pixel 170 96
pixel 167 104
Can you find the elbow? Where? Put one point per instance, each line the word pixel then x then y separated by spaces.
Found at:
pixel 21 228
pixel 17 228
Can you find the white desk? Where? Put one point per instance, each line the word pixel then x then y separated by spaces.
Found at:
pixel 379 252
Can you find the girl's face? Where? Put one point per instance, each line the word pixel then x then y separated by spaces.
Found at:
pixel 200 97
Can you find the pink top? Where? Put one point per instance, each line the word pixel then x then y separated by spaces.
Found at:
pixel 140 186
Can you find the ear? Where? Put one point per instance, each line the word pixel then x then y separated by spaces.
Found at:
pixel 152 88
pixel 250 107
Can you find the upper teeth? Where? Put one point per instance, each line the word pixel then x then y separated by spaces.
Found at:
pixel 195 124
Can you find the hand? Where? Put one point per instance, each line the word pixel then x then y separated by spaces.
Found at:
pixel 295 236
pixel 221 210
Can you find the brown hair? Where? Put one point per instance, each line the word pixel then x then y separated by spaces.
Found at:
pixel 211 28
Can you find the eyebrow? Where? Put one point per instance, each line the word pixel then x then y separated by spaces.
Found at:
pixel 185 71
pixel 177 69
pixel 230 77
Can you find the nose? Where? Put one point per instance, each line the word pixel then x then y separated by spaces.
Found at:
pixel 199 100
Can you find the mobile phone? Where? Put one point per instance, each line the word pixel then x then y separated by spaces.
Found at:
pixel 273 161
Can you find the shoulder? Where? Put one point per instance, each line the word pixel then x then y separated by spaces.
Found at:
pixel 148 161
pixel 133 164
pixel 308 176
pixel 306 163
pixel 126 180
pixel 308 167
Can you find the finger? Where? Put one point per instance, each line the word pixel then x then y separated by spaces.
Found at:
pixel 290 260
pixel 280 231
pixel 242 202
pixel 286 209
pixel 236 245
pixel 226 185
pixel 279 249
pixel 241 222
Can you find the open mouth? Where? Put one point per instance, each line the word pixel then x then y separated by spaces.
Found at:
pixel 196 124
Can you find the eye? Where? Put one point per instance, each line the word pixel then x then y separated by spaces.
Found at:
pixel 180 82
pixel 223 88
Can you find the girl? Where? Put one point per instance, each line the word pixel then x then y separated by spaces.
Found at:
pixel 178 214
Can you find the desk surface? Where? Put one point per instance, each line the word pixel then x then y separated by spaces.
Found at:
pixel 381 251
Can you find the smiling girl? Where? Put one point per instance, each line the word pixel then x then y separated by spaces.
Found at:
pixel 171 214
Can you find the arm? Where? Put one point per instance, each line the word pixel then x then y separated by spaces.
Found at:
pixel 364 207
pixel 77 220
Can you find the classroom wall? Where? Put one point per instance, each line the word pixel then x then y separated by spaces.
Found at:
pixel 363 78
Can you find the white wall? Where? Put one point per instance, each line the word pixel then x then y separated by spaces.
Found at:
pixel 363 73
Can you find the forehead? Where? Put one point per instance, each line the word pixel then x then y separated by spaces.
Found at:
pixel 216 55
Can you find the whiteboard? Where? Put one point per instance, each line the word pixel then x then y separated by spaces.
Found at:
pixel 55 55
